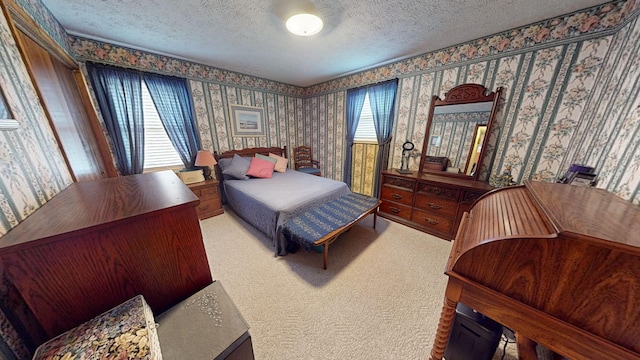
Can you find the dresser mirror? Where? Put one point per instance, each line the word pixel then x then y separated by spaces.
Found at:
pixel 457 128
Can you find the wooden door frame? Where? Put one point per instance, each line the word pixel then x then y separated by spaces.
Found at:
pixel 19 20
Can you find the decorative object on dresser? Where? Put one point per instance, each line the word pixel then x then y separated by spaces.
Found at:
pixel 205 159
pixel 502 180
pixel 190 176
pixel 99 243
pixel 208 192
pixel 407 147
pixel 434 198
pixel 557 264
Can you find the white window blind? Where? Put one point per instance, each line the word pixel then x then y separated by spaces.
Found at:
pixel 366 132
pixel 159 152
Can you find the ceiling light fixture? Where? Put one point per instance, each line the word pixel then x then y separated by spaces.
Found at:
pixel 304 24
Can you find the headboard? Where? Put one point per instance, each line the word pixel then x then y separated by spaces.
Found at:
pixel 249 152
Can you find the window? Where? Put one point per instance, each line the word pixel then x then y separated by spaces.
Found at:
pixel 159 152
pixel 366 132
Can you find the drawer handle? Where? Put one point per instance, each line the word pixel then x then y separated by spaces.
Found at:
pixel 204 208
pixel 396 196
pixel 394 210
pixel 431 221
pixel 434 206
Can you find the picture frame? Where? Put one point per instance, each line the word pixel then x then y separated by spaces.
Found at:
pixel 247 121
pixel 7 122
pixel 435 140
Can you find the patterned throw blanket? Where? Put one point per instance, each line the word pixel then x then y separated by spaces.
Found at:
pixel 318 222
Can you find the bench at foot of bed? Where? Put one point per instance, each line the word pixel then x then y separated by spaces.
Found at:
pixel 320 226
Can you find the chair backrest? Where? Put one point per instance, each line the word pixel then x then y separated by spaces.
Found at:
pixel 302 157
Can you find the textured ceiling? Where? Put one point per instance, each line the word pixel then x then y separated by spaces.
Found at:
pixel 249 36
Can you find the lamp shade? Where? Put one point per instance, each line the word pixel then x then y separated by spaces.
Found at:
pixel 205 158
pixel 304 24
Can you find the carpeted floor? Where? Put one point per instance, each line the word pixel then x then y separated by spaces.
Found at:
pixel 380 297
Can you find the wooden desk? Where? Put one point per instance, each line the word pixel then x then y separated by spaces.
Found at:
pixel 99 243
pixel 558 264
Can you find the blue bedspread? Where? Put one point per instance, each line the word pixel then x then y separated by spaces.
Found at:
pixel 268 203
pixel 318 222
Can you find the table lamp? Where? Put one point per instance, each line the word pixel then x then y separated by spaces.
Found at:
pixel 205 159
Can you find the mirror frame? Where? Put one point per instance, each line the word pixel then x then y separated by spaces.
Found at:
pixel 462 94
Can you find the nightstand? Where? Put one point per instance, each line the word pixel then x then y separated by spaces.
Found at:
pixel 208 192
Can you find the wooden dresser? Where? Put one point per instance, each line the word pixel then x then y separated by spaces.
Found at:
pixel 428 202
pixel 209 194
pixel 97 244
pixel 558 264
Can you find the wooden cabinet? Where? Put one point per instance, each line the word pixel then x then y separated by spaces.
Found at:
pixel 97 244
pixel 428 202
pixel 209 194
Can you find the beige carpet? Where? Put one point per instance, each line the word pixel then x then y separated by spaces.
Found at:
pixel 380 298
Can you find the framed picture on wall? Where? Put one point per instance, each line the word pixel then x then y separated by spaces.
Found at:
pixel 247 121
pixel 436 140
pixel 6 121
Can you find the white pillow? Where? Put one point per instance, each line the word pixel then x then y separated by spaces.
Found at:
pixel 281 163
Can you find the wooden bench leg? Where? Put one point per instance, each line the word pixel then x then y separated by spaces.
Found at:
pixel 375 217
pixel 325 254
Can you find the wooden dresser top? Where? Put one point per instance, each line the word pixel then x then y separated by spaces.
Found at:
pixel 83 205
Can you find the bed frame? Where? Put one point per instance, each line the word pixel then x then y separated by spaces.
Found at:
pixel 249 152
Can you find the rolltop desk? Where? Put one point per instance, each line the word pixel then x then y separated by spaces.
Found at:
pixel 558 264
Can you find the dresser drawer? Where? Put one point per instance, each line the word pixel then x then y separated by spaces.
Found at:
pixel 209 207
pixel 406 184
pixel 444 192
pixel 397 195
pixel 432 221
pixel 395 210
pixel 210 192
pixel 436 205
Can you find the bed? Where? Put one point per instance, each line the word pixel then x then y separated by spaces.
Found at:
pixel 268 203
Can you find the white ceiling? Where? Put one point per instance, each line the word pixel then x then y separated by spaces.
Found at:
pixel 249 36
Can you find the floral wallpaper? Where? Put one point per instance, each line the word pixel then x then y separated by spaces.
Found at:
pixel 570 96
pixel 283 114
pixel 570 27
pixel 574 102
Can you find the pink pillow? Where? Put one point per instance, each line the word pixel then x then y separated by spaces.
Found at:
pixel 281 163
pixel 260 168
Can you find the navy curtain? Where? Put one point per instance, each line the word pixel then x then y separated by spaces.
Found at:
pixel 355 101
pixel 119 96
pixel 171 97
pixel 382 98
